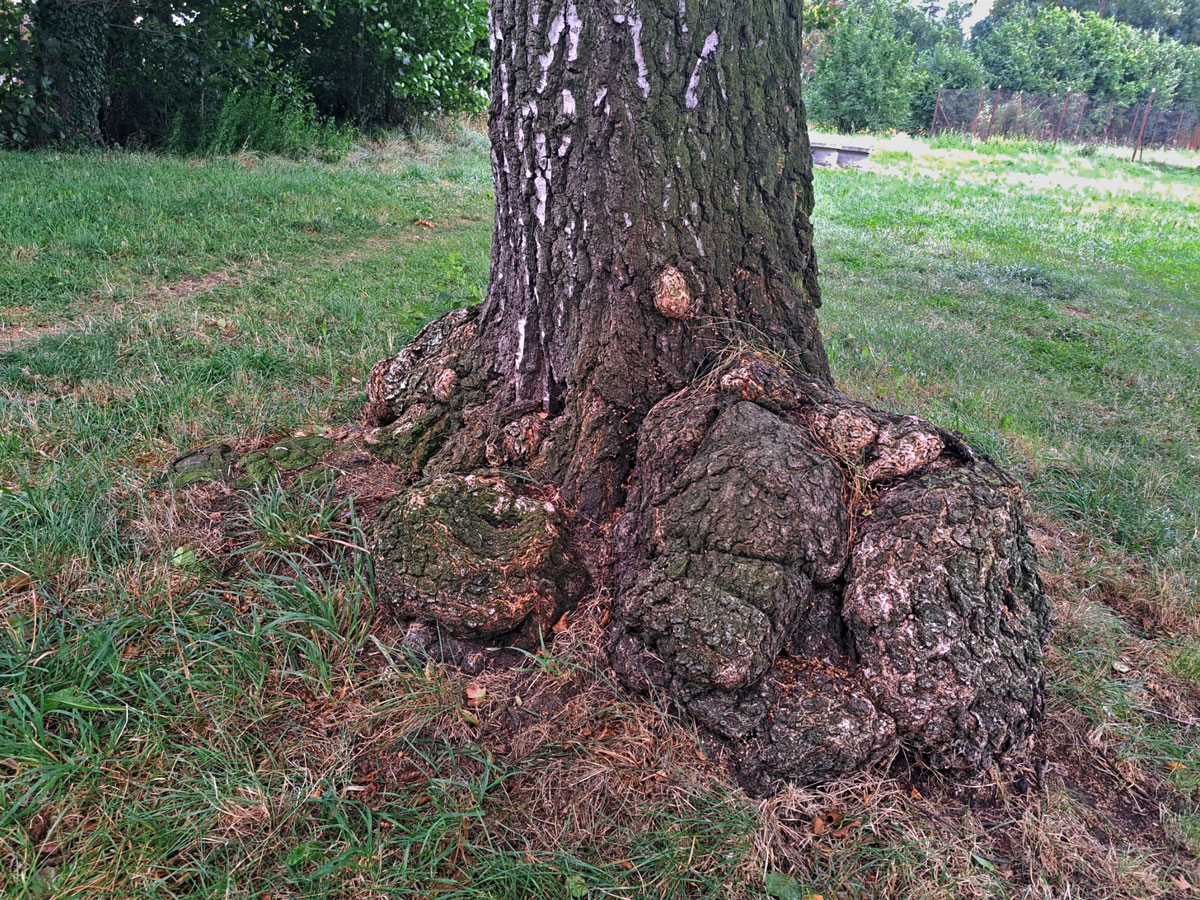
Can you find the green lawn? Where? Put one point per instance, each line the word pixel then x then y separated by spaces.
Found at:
pixel 182 719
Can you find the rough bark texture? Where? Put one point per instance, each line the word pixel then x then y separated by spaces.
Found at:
pixel 480 557
pixel 819 584
pixel 653 189
pixel 823 583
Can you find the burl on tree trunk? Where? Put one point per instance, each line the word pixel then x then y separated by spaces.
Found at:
pixel 818 583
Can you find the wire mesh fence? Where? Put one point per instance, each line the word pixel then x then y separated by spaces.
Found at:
pixel 1070 118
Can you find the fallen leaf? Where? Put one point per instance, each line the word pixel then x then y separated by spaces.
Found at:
pixel 16 583
pixel 846 829
pixel 785 887
pixel 424 223
pixel 475 694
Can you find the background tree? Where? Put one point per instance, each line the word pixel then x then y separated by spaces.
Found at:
pixel 1053 50
pixel 185 73
pixel 1174 19
pixel 69 41
pixel 867 80
pixel 644 401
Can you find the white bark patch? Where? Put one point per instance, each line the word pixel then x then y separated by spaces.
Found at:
pixel 710 45
pixel 635 29
pixel 600 95
pixel 520 348
pixel 568 103
pixel 540 186
pixel 564 146
pixel 574 30
pixel 546 60
pixel 671 295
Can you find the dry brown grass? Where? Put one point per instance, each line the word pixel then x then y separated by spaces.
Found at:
pixel 577 766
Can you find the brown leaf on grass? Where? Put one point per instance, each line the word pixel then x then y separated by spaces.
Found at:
pixel 845 830
pixel 16 583
pixel 475 694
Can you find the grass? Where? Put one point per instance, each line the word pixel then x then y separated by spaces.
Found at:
pixel 180 721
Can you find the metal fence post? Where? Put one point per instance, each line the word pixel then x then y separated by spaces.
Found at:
pixel 978 109
pixel 937 105
pixel 992 118
pixel 1142 130
pixel 1153 128
pixel 1062 115
pixel 1079 121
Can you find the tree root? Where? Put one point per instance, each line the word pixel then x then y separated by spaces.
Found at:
pixel 818 583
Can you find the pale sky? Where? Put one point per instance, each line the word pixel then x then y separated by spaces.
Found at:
pixel 982 7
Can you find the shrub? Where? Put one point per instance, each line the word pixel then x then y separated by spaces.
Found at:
pixel 867 80
pixel 275 116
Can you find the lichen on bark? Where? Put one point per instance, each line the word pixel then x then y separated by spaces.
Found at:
pixel 479 555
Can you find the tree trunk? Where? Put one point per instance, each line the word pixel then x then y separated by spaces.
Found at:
pixel 819 584
pixel 653 192
pixel 72 44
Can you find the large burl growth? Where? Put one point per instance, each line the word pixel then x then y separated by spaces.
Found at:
pixel 643 407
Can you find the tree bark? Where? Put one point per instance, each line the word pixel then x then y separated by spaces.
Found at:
pixel 653 193
pixel 819 584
